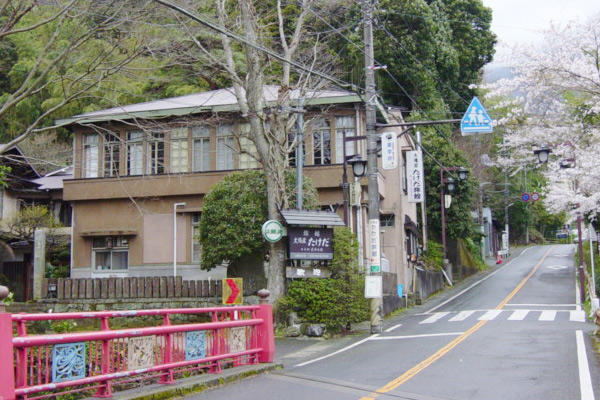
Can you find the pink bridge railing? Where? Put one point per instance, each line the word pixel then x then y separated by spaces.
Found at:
pixel 51 364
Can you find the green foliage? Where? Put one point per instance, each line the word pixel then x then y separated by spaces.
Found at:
pixel 432 257
pixel 233 213
pixel 24 223
pixel 64 326
pixel 337 301
pixel 475 253
pixel 459 223
pixel 9 299
pixel 434 49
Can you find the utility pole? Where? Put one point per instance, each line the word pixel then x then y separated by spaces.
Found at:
pixel 299 153
pixel 373 189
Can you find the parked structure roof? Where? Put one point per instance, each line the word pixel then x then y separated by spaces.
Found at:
pixel 221 100
pixel 54 180
pixel 301 217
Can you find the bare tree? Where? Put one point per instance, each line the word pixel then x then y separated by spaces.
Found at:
pixel 263 43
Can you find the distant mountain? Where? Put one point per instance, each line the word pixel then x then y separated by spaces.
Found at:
pixel 494 72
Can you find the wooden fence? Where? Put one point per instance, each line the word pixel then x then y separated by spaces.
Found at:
pixel 129 288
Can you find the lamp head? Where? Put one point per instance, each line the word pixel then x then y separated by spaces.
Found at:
pixel 450 185
pixel 543 154
pixel 462 173
pixel 359 166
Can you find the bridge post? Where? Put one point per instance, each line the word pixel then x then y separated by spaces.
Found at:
pixel 7 378
pixel 266 336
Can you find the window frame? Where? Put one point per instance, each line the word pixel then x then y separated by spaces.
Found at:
pixel 91 155
pixel 321 130
pixel 134 152
pixel 112 245
pixel 155 153
pixel 112 155
pixel 179 148
pixel 348 123
pixel 201 148
pixel 225 147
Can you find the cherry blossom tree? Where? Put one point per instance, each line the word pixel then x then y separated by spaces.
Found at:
pixel 553 100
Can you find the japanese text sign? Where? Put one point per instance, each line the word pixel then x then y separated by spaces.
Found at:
pixel 415 177
pixel 310 243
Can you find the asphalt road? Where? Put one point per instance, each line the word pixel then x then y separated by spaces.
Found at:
pixel 515 332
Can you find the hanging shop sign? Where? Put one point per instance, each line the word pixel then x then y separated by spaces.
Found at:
pixel 310 243
pixel 415 177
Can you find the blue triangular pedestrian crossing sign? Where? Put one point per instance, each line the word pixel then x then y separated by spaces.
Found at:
pixel 476 119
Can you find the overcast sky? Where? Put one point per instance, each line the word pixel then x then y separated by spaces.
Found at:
pixel 517 21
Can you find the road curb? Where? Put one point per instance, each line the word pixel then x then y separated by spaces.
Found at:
pixel 196 384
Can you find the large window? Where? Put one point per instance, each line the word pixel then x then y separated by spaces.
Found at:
pixel 90 156
pixel 179 150
pixel 134 152
pixel 248 152
pixel 156 153
pixel 110 253
pixel 321 141
pixel 196 247
pixel 225 150
pixel 345 124
pixel 201 148
pixel 112 146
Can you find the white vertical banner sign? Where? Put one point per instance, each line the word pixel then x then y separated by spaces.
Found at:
pixel 374 247
pixel 415 177
pixel 389 150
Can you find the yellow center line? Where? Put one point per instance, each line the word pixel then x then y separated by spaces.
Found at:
pixel 444 350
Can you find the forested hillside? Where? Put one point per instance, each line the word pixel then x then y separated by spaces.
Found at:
pixel 63 57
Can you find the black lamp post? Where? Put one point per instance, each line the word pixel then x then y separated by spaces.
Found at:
pixel 543 154
pixel 450 185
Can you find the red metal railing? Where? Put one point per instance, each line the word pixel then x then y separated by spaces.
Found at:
pixel 51 364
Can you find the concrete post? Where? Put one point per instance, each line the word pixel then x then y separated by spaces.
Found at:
pixel 266 338
pixel 39 262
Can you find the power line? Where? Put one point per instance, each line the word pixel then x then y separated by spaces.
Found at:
pixel 263 49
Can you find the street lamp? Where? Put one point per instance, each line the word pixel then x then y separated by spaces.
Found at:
pixel 543 154
pixel 450 185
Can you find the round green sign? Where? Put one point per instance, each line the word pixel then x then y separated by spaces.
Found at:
pixel 272 230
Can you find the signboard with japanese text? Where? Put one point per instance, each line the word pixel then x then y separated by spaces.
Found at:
pixel 272 231
pixel 374 247
pixel 310 243
pixel 389 150
pixel 294 272
pixel 415 176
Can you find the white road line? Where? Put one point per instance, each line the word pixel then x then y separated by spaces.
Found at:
pixel 577 316
pixel 490 315
pixel 477 283
pixel 577 296
pixel 393 328
pixel 339 351
pixel 435 317
pixel 418 336
pixel 461 316
pixel 585 379
pixel 540 305
pixel 518 315
pixel 547 315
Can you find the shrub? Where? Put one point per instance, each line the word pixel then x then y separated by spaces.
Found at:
pixel 337 301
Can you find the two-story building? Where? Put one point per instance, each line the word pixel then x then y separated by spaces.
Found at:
pixel 135 165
